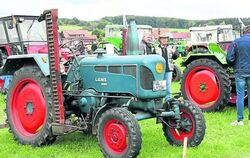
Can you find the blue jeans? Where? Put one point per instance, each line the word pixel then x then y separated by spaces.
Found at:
pixel 241 81
pixel 168 76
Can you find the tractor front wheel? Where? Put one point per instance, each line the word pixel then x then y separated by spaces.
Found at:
pixel 28 107
pixel 119 134
pixel 207 84
pixel 192 125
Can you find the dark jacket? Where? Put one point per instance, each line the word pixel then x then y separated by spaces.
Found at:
pixel 238 55
pixel 147 48
pixel 168 55
pixel 1 59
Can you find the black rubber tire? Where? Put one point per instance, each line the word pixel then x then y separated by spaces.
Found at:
pixel 45 135
pixel 199 126
pixel 133 129
pixel 177 74
pixel 224 81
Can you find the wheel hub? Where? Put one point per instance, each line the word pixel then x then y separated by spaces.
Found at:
pixel 202 86
pixel 186 125
pixel 28 107
pixel 115 135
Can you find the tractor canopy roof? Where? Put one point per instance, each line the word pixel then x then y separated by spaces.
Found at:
pixel 17 17
pixel 210 28
pixel 212 34
pixel 21 29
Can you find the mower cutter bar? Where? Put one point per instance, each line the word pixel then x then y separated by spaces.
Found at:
pixel 55 77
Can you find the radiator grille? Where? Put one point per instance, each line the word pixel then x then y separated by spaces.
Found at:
pixel 146 78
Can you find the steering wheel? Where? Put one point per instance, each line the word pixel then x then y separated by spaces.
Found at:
pixel 74 46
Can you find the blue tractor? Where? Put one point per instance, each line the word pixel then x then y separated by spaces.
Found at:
pixel 100 94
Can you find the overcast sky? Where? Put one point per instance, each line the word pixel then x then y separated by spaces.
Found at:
pixel 96 9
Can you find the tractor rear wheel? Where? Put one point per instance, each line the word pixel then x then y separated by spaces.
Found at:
pixel 28 107
pixel 192 126
pixel 176 74
pixel 207 84
pixel 119 134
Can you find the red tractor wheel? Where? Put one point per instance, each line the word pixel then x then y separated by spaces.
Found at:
pixel 28 107
pixel 119 134
pixel 206 84
pixel 192 126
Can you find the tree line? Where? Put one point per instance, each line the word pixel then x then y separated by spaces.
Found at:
pixel 161 22
pixel 97 27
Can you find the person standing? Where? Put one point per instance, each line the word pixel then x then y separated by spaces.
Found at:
pixel 238 56
pixel 169 54
pixel 1 58
pixel 146 44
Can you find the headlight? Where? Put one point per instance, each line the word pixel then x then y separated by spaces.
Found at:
pixel 159 68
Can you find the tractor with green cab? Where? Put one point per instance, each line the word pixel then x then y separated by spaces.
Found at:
pixel 116 34
pixel 207 80
pixel 100 94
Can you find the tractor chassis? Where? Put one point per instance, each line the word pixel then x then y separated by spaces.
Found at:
pixel 82 123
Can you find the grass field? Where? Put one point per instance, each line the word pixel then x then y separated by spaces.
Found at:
pixel 75 27
pixel 221 141
pixel 178 30
pixel 69 27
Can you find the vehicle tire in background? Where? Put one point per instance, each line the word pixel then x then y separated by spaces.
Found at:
pixel 177 74
pixel 207 84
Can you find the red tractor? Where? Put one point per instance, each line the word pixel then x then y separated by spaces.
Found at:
pixel 23 34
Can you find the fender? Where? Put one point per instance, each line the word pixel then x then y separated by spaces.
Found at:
pixel 15 62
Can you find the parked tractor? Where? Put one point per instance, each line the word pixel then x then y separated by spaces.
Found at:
pixel 114 34
pixel 18 39
pixel 207 80
pixel 23 34
pixel 100 94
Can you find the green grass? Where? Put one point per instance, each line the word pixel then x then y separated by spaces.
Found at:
pixel 178 30
pixel 221 141
pixel 69 27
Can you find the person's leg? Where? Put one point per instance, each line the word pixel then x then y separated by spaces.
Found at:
pixel 240 90
pixel 248 95
pixel 168 85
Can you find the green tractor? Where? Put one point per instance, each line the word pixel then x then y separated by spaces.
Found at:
pixel 207 80
pixel 116 34
pixel 101 94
